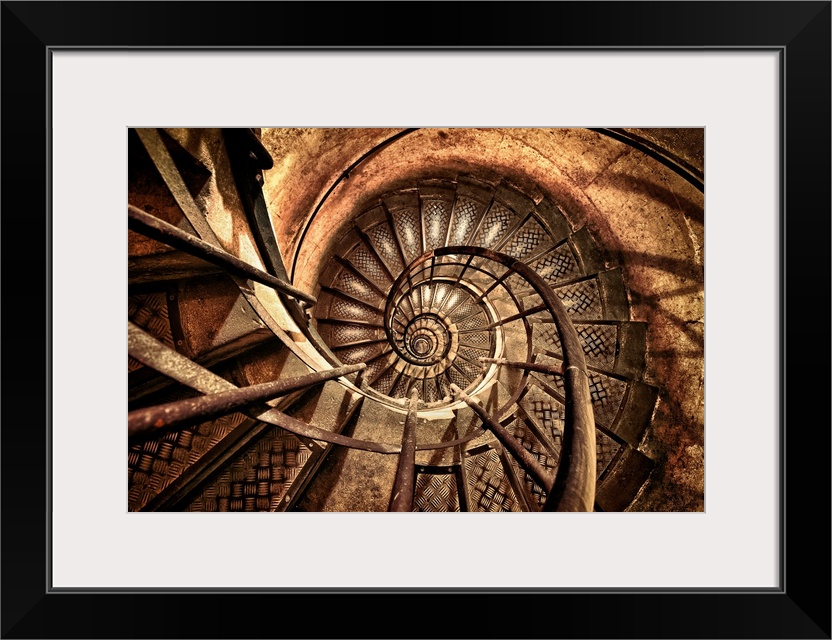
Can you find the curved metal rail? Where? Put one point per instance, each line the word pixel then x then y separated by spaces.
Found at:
pixel 574 485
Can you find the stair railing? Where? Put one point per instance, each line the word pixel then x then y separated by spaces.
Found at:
pixel 573 488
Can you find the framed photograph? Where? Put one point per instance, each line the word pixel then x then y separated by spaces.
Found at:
pixel 464 269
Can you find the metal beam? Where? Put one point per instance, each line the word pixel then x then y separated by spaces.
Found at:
pixel 156 355
pixel 182 413
pixel 524 458
pixel 157 229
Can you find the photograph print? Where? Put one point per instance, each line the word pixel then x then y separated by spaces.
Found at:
pixel 424 320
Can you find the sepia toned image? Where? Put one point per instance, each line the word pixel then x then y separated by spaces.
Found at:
pixel 432 320
pixel 394 303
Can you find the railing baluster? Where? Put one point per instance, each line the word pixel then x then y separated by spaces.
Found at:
pixel 405 484
pixel 455 285
pixel 497 282
pixel 524 458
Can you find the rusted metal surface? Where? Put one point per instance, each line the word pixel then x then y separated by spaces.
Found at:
pixel 257 149
pixel 154 354
pixel 153 227
pixel 210 316
pixel 175 495
pixel 405 484
pixel 523 457
pixel 248 157
pixel 186 412
pixel 171 176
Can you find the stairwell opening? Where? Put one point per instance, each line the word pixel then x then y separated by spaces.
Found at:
pixel 449 335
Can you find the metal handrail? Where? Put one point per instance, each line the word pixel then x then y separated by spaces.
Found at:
pixel 151 352
pixel 574 484
pixel 404 487
pixel 182 413
pixel 524 458
pixel 157 229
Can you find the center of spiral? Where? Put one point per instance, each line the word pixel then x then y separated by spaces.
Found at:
pixel 421 346
pixel 426 339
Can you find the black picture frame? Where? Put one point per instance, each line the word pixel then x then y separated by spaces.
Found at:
pixel 800 608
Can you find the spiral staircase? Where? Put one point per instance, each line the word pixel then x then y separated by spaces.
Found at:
pixel 465 348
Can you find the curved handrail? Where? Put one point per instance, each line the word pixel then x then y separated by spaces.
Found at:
pixel 574 486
